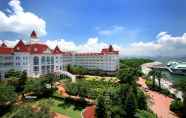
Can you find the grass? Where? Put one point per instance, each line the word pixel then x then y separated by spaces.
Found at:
pixel 97 78
pixel 61 107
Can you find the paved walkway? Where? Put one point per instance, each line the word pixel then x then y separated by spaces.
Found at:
pixel 90 112
pixel 159 103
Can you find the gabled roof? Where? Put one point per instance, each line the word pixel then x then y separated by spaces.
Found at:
pixel 3 45
pixel 5 50
pixel 37 48
pixel 109 50
pixel 20 47
pixel 57 50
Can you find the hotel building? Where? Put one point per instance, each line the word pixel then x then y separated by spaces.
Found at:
pixel 38 59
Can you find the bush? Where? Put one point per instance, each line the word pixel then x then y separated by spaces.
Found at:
pixel 176 105
pixel 161 90
pixel 144 114
pixel 88 88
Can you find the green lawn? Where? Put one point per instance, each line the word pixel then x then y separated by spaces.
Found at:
pixel 90 77
pixel 59 106
pixel 69 110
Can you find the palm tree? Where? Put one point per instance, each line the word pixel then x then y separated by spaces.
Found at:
pixel 159 75
pixel 156 73
pixel 153 74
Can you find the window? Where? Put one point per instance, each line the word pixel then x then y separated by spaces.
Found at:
pixel 36 68
pixel 43 59
pixel 52 60
pixel 36 60
pixel 43 69
pixel 48 59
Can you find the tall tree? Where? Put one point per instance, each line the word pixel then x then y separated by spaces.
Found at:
pixel 100 107
pixel 152 74
pixel 7 94
pixel 181 85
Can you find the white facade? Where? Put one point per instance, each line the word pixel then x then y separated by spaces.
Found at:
pixel 38 59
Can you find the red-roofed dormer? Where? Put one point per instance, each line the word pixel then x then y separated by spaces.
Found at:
pixel 57 50
pixel 20 47
pixel 33 34
pixel 38 48
pixel 109 50
pixel 3 45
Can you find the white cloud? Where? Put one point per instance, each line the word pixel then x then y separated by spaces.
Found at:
pixel 110 31
pixel 10 43
pixel 19 21
pixel 91 45
pixel 165 45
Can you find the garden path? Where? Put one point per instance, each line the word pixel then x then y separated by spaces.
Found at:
pixel 159 103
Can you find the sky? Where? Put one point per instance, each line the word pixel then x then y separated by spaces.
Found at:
pixel 134 27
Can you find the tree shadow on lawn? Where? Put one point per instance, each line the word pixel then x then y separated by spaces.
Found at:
pixel 4 109
pixel 69 102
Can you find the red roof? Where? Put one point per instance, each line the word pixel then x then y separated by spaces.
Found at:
pixel 43 48
pixel 31 48
pixel 20 47
pixel 33 34
pixel 88 54
pixel 37 48
pixel 57 50
pixel 5 50
pixel 3 45
pixel 109 50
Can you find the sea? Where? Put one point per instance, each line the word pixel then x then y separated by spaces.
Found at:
pixel 170 76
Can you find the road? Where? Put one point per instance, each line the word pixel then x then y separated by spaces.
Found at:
pixel 158 103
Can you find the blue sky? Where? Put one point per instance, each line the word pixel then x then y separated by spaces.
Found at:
pixel 119 22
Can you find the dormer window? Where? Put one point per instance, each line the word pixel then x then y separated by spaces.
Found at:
pixel 18 48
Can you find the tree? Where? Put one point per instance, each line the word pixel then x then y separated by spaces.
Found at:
pixel 159 75
pixel 7 94
pixel 153 74
pixel 144 114
pixel 13 73
pixel 176 105
pixel 124 100
pixel 141 100
pixel 23 78
pixel 77 70
pixel 49 78
pixel 37 87
pixel 130 104
pixel 100 107
pixel 181 85
pixel 29 112
pixel 156 73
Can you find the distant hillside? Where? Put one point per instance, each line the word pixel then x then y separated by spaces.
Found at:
pixel 166 59
pixel 163 59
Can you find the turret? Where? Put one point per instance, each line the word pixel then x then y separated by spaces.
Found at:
pixel 33 35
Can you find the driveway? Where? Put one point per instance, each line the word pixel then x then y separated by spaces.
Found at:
pixel 158 103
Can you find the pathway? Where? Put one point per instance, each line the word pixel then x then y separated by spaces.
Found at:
pixel 88 112
pixel 159 103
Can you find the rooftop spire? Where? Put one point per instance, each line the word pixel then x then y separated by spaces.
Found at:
pixel 3 44
pixel 33 34
pixel 110 48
